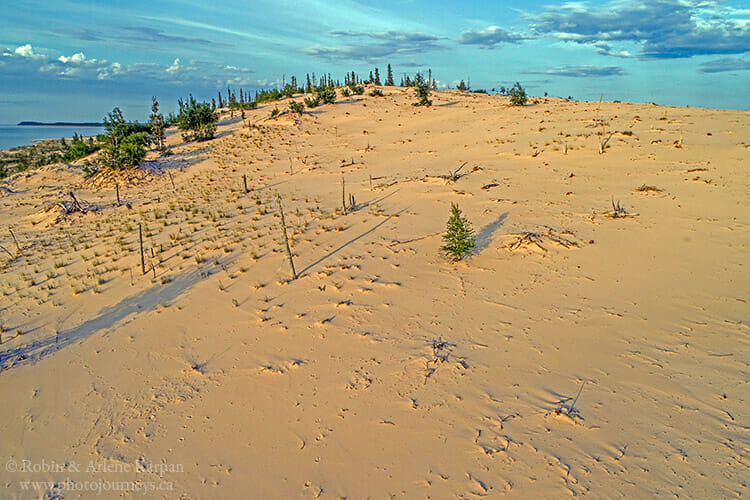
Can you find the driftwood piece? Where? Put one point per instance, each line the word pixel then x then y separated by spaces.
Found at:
pixel 75 205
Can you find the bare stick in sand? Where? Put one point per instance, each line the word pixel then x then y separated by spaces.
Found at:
pixel 286 238
pixel 603 142
pixel 18 247
pixel 244 182
pixel 453 176
pixel 117 193
pixel 343 194
pixel 171 179
pixel 140 239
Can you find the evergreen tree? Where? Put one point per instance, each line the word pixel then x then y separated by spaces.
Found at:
pixel 459 237
pixel 371 78
pixel 389 77
pixel 422 91
pixel 221 103
pixel 308 86
pixel 377 77
pixel 157 124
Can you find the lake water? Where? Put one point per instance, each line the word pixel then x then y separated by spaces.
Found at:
pixel 13 135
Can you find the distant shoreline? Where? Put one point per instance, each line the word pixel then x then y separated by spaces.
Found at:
pixel 59 124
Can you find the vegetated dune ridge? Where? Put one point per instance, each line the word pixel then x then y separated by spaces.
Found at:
pixel 383 370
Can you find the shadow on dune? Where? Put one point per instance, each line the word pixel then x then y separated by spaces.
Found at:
pixel 335 251
pixel 484 236
pixel 237 118
pixel 145 301
pixel 177 160
pixel 375 201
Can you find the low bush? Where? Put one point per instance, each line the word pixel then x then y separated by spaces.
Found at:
pixel 196 120
pixel 518 95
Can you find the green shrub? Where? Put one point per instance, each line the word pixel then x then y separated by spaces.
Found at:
pixel 196 120
pixel 296 107
pixel 326 94
pixel 459 238
pixel 345 92
pixel 517 95
pixel 312 102
pixel 275 112
pixel 133 149
pixel 356 89
pixel 125 142
pixel 422 90
pixel 79 148
pixel 376 93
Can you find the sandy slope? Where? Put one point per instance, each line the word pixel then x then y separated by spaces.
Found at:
pixel 384 371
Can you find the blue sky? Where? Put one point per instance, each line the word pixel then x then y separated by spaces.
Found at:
pixel 76 60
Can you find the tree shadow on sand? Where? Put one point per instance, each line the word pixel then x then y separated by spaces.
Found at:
pixel 335 251
pixel 484 236
pixel 145 301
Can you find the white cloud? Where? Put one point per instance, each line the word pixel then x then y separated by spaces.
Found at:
pixel 26 51
pixel 75 58
pixel 174 67
pixel 24 64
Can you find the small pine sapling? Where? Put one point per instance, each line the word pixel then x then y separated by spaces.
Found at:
pixel 422 91
pixel 459 238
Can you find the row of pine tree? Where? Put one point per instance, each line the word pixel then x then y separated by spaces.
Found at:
pixel 245 101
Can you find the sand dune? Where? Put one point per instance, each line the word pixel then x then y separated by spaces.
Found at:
pixel 573 353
